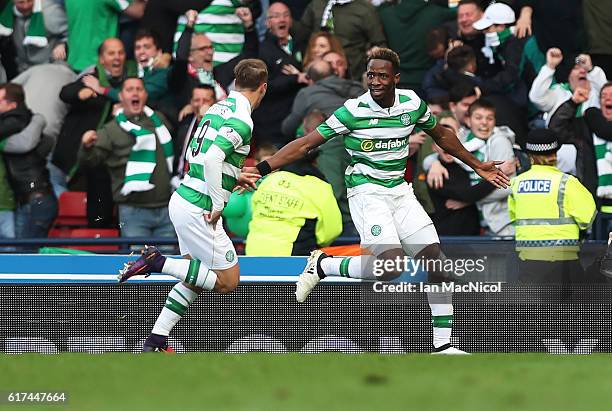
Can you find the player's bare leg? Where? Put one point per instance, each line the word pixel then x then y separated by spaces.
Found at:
pixel 195 278
pixel 320 265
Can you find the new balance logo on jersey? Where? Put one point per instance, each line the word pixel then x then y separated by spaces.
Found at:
pixel 373 122
pixel 383 145
pixel 534 186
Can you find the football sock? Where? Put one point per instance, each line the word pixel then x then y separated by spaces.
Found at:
pixel 177 302
pixel 156 340
pixel 193 272
pixel 441 304
pixel 344 267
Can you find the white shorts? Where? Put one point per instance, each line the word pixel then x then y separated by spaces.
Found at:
pixel 392 219
pixel 197 238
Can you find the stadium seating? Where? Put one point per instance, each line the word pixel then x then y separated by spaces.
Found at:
pixel 94 233
pixel 72 210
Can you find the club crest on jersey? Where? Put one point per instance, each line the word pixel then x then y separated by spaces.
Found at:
pixel 229 256
pixel 376 230
pixel 405 119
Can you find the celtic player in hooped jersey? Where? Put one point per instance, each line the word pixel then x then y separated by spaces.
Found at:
pixel 217 152
pixel 390 221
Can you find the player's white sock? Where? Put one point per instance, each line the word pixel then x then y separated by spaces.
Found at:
pixel 191 271
pixel 177 302
pixel 441 305
pixel 345 267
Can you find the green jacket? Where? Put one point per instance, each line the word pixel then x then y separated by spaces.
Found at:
pixel 406 25
pixel 285 206
pixel 7 198
pixel 356 24
pixel 113 147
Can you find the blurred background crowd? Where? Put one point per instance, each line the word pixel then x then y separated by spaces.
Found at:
pixel 491 72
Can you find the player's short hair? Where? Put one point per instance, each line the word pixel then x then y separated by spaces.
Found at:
pixel 131 78
pixel 146 33
pixel 481 103
pixel 382 53
pixel 13 93
pixel 460 91
pixel 250 74
pixel 459 57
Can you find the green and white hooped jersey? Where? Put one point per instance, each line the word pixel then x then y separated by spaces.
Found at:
pixel 603 155
pixel 227 125
pixel 377 138
pixel 221 25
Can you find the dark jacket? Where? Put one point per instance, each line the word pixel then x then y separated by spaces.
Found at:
pixel 431 87
pixel 11 122
pixel 182 84
pixel 598 124
pixel 27 172
pixel 464 221
pixel 413 19
pixel 179 141
pixel 282 90
pixel 574 130
pixel 476 42
pixel 14 121
pixel 325 95
pixel 83 115
pixel 505 78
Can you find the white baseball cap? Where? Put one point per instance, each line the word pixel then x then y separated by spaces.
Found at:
pixel 497 13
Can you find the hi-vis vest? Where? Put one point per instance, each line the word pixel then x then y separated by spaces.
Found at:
pixel 549 208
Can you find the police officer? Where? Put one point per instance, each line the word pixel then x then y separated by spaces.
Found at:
pixel 550 209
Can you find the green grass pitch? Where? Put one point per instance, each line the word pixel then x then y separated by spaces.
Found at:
pixel 268 382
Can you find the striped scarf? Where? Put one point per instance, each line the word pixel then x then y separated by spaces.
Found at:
pixel 327 19
pixel 603 155
pixel 494 40
pixel 221 25
pixel 36 34
pixel 477 147
pixel 143 160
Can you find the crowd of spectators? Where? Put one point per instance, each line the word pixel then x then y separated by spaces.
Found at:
pixel 81 79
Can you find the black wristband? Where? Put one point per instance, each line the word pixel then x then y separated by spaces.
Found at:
pixel 264 168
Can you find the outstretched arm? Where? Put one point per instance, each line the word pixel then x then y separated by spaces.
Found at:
pixel 293 151
pixel 451 144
